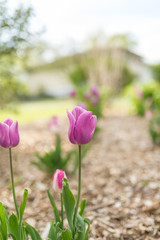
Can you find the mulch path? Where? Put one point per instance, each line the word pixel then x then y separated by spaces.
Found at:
pixel 121 179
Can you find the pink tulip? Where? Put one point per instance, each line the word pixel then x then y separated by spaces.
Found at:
pixel 94 100
pixel 149 114
pixel 82 125
pixel 9 134
pixel 72 93
pixel 95 91
pixel 57 180
pixel 82 105
pixel 139 93
pixel 53 124
pixel 87 95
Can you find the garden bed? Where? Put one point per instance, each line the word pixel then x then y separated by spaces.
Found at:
pixel 120 179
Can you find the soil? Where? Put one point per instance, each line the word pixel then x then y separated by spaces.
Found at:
pixel 120 179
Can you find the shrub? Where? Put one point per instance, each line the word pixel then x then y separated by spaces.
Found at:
pixel 144 97
pixel 78 76
pixel 156 71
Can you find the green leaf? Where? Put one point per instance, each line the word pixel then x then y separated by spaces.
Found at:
pixel 23 205
pixel 13 226
pixel 3 223
pixel 52 231
pixel 69 202
pixel 87 220
pixel 67 235
pixel 24 235
pixel 32 232
pixel 55 210
pixel 80 228
pixel 82 207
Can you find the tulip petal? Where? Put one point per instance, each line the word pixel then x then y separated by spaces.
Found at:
pixel 57 180
pixel 71 133
pixel 85 127
pixel 14 134
pixel 77 111
pixel 4 135
pixel 8 121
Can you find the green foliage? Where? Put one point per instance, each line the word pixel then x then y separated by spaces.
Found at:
pixel 156 71
pixel 82 207
pixel 32 232
pixel 80 232
pixel 154 128
pixel 67 235
pixel 69 202
pixel 55 159
pixel 55 210
pixel 121 41
pixel 78 76
pixel 126 77
pixel 144 97
pixel 15 36
pixel 13 226
pixel 23 205
pixel 3 223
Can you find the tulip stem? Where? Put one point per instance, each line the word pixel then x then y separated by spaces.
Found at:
pixel 12 179
pixel 79 187
pixel 62 210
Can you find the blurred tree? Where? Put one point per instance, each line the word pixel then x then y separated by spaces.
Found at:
pixel 156 71
pixel 121 41
pixel 15 36
pixel 78 76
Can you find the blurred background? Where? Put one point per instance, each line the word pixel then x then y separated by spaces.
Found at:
pixel 50 49
pixel 104 56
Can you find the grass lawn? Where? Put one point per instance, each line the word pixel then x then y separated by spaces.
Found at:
pixel 35 110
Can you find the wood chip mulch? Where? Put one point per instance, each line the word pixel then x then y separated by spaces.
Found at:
pixel 121 179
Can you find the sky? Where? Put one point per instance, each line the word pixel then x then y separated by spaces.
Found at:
pixel 69 23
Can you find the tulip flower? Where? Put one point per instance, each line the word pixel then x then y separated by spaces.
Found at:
pixel 94 100
pixel 72 93
pixel 139 93
pixel 81 130
pixel 9 134
pixel 86 95
pixel 57 180
pixel 149 114
pixel 57 186
pixel 9 137
pixel 95 91
pixel 53 124
pixel 82 126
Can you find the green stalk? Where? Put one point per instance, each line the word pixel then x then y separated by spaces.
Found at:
pixel 62 210
pixel 12 179
pixel 19 231
pixel 14 195
pixel 79 187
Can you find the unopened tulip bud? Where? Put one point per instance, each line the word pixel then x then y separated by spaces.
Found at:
pixel 9 134
pixel 57 180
